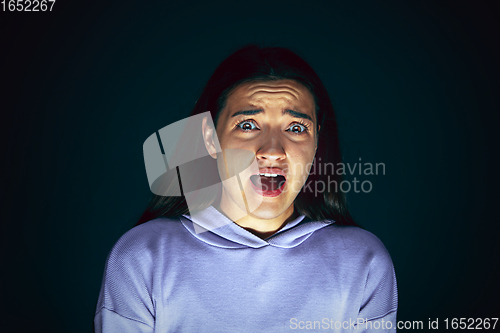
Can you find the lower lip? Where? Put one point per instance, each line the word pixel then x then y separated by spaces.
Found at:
pixel 270 194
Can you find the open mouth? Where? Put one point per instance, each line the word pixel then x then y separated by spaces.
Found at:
pixel 268 184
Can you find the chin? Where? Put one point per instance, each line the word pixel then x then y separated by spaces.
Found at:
pixel 266 211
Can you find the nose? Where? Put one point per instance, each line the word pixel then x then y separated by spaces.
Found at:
pixel 271 149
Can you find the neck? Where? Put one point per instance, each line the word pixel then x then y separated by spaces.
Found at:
pixel 260 227
pixel 264 233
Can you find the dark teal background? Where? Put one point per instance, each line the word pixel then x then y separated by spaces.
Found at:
pixel 415 86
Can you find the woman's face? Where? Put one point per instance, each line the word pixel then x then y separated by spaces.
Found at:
pixel 276 122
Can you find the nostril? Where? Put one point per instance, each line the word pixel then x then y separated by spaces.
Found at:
pixel 274 155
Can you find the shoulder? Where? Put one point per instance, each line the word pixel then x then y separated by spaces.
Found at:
pixel 145 240
pixel 364 252
pixel 356 242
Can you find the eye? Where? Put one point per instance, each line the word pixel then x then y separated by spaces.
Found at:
pixel 297 128
pixel 247 125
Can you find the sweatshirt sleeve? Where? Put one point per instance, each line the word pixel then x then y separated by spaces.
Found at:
pixel 125 301
pixel 109 321
pixel 380 298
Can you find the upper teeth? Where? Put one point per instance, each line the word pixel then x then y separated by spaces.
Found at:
pixel 269 174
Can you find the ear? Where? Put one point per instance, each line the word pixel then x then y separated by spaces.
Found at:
pixel 208 138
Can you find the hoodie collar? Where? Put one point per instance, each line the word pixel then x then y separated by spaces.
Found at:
pixel 213 227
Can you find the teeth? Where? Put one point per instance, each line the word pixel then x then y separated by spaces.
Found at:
pixel 268 174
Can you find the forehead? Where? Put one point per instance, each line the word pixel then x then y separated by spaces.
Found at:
pixel 286 92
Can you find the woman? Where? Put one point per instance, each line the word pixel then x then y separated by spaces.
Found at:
pixel 260 250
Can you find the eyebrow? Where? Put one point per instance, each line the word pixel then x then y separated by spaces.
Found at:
pixel 292 113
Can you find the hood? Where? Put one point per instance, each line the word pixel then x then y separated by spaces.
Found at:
pixel 214 228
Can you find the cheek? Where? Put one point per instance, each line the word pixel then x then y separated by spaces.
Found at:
pixel 303 158
pixel 228 140
pixel 300 164
pixel 221 136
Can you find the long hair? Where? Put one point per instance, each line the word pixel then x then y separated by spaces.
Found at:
pixel 273 63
